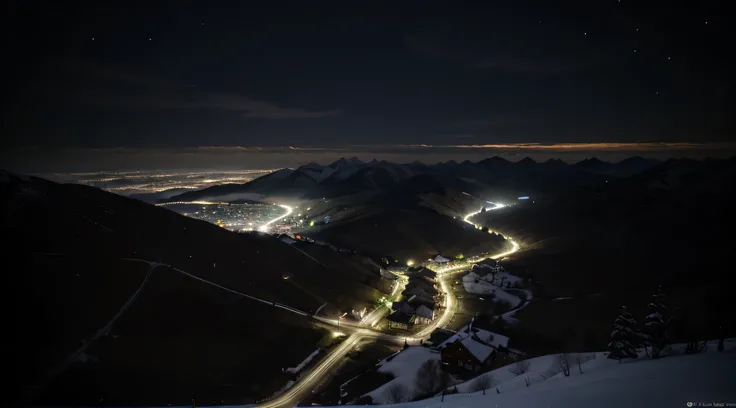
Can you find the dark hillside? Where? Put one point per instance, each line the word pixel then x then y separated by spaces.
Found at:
pixel 613 243
pixel 67 245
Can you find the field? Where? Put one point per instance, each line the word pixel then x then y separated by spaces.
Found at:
pixel 183 340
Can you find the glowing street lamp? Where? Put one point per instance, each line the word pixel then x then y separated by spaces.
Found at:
pixel 409 262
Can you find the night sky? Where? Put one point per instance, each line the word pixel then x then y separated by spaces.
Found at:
pixel 244 84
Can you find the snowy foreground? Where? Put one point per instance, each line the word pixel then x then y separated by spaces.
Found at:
pixel 403 366
pixel 670 381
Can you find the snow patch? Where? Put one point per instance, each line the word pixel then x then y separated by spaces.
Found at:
pixel 403 366
pixel 477 286
pixel 641 383
pixel 304 363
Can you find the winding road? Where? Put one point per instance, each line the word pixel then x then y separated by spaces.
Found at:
pixel 314 377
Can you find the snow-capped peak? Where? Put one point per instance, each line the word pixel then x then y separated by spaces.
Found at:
pixel 344 168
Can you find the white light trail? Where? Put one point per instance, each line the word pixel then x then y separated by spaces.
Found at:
pixel 266 226
pixel 312 379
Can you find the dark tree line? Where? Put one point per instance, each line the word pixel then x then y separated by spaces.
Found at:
pixel 660 326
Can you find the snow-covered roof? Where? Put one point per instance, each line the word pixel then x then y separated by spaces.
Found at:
pixel 399 317
pixel 471 276
pixel 424 311
pixel 477 349
pixel 492 339
pixel 441 259
pixel 418 300
pixel 417 290
pixel 486 337
pixel 424 284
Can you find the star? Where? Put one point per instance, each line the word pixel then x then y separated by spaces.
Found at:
pixel 637 30
pixel 634 49
pixel 93 38
pixel 657 93
pixel 149 38
pixel 585 33
pixel 540 22
pixel 706 22
pixel 669 58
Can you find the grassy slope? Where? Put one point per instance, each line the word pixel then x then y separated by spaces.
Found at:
pixel 348 281
pixel 94 229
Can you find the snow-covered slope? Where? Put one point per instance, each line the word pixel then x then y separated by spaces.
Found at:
pixel 403 366
pixel 481 285
pixel 344 168
pixel 318 172
pixel 668 382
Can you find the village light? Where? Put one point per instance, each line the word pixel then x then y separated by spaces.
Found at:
pixel 409 262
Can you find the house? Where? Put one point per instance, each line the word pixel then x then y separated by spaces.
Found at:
pixel 469 355
pixel 425 284
pixel 440 259
pixel 387 275
pixel 418 300
pixel 420 311
pixel 399 320
pixel 414 269
pixel 426 274
pixel 474 349
pixel 403 307
pixel 396 268
pixel 423 315
pixel 419 291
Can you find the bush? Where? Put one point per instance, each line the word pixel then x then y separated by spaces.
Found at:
pixel 431 379
pixel 519 367
pixel 482 383
pixel 564 363
pixel 397 393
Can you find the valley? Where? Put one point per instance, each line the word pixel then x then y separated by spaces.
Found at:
pixel 336 272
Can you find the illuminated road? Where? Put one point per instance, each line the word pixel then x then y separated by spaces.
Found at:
pixel 312 379
pixel 266 226
pixel 263 228
pixel 514 245
pixel 377 314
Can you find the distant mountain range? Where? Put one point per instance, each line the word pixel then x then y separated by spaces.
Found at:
pixel 350 175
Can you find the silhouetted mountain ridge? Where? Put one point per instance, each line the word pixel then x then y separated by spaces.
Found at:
pixel 350 175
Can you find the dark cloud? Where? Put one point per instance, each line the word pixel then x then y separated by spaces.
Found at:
pixel 126 88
